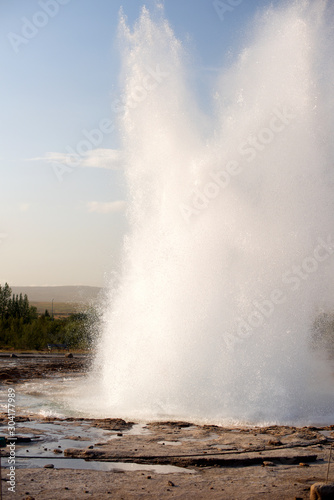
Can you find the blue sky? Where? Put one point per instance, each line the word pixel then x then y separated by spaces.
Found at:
pixel 60 74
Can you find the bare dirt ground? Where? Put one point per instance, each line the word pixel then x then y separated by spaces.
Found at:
pixel 198 462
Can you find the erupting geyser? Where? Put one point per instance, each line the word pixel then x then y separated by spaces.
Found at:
pixel 230 250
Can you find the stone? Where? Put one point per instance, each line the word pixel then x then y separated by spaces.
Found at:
pixel 274 442
pixel 48 466
pixel 322 491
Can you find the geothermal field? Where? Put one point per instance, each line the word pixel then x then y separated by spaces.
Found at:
pixel 211 373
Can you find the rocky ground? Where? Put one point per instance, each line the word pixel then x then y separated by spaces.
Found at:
pixel 175 459
pixel 15 368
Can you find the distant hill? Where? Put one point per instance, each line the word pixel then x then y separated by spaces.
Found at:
pixel 75 294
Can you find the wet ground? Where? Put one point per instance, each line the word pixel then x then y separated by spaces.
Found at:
pixel 111 458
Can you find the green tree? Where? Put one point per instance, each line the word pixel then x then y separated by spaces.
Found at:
pixel 5 294
pixel 22 328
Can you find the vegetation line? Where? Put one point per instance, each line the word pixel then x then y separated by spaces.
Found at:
pixel 22 327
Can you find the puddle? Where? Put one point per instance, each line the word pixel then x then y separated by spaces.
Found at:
pixel 138 430
pixel 59 436
pixel 85 429
pixel 45 396
pixel 170 443
pixel 328 434
pixel 79 463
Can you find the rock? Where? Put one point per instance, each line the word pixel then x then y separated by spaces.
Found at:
pixel 113 424
pixel 57 450
pixel 170 483
pixel 268 464
pixel 68 355
pixel 322 491
pixel 12 355
pixel 48 466
pixel 274 442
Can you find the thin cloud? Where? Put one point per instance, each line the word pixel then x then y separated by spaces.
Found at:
pixel 106 207
pixel 111 159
